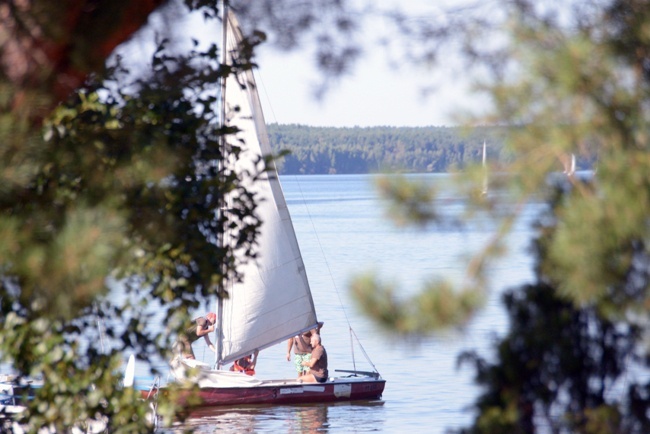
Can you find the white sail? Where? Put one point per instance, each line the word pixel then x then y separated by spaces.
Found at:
pixel 274 300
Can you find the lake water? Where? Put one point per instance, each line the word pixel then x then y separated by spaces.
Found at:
pixel 341 229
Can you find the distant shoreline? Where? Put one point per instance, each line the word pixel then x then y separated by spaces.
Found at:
pixel 365 150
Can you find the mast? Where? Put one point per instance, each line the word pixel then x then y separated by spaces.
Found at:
pixel 222 144
pixel 483 153
pixel 485 178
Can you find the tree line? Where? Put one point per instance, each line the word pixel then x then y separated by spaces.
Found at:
pixel 345 150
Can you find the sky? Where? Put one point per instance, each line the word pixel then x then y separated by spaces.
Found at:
pixel 374 94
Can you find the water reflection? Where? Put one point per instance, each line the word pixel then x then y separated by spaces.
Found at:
pixel 310 418
pixel 338 242
pixel 222 419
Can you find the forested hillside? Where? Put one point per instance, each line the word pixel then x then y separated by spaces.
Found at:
pixel 330 150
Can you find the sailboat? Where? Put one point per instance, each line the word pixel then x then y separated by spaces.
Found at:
pixel 273 301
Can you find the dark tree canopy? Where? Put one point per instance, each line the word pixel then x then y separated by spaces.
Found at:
pixel 120 180
pixel 566 78
pixel 562 367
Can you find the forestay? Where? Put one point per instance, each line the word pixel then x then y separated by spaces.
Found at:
pixel 274 300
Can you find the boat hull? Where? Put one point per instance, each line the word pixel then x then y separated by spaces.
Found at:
pixel 287 392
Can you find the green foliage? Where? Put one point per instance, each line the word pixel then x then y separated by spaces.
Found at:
pixel 124 185
pixel 564 78
pixel 560 365
pixel 437 306
pixel 80 386
pixel 411 201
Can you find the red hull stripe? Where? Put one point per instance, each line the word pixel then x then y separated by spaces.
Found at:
pixel 290 394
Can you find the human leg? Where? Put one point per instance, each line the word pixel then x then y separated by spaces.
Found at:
pixel 299 358
pixel 186 349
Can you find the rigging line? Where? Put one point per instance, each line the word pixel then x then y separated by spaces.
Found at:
pixel 320 246
pixel 338 294
pixel 363 350
pixel 258 73
pixel 353 335
pixel 354 361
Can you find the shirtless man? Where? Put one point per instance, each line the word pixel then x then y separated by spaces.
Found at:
pixel 302 349
pixel 317 364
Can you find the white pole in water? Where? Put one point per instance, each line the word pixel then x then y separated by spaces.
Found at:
pixel 483 153
pixel 485 177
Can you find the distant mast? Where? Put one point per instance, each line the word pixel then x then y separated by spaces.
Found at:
pixel 570 166
pixel 485 177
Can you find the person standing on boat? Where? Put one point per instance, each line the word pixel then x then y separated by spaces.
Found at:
pixel 301 345
pixel 200 327
pixel 317 364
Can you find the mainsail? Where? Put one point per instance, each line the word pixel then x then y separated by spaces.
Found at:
pixel 273 302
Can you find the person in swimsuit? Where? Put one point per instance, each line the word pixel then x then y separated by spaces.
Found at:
pixel 317 364
pixel 301 345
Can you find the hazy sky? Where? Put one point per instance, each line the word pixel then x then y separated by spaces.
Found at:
pixel 373 94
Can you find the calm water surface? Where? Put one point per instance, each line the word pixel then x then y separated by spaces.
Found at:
pixel 341 229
